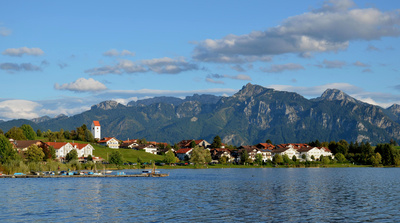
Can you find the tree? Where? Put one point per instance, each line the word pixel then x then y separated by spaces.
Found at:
pixel 223 160
pixel 268 141
pixel 170 157
pixel 376 159
pixel 304 157
pixel 34 153
pixel 193 144
pixel 116 158
pixel 88 135
pixel 89 158
pixel 49 153
pixel 200 155
pixel 325 160
pixel 39 133
pixel 340 158
pixel 72 155
pixel 294 158
pixel 286 159
pixel 15 133
pixel 312 157
pixel 259 159
pixel 28 132
pixel 278 159
pixel 139 160
pixel 216 142
pixel 7 153
pixel 244 156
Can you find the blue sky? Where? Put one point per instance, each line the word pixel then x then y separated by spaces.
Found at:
pixel 61 57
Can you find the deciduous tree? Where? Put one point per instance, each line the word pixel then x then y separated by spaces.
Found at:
pixel 72 155
pixel 34 153
pixel 28 132
pixel 116 158
pixel 170 157
pixel 216 142
pixel 7 153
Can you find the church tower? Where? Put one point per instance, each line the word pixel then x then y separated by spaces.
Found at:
pixel 96 130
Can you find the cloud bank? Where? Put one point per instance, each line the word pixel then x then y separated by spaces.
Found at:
pixel 312 32
pixel 19 52
pixel 82 85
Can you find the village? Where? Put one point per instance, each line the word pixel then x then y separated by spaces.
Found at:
pixel 182 150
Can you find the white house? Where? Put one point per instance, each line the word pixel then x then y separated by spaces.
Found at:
pixel 84 150
pixel 310 152
pixel 290 151
pixel 150 148
pixel 182 153
pixel 96 130
pixel 111 142
pixel 63 148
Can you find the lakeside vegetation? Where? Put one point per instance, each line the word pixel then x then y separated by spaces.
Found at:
pixel 38 159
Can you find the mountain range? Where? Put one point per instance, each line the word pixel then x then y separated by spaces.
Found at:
pixel 252 115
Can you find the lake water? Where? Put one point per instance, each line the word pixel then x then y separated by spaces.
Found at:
pixel 210 195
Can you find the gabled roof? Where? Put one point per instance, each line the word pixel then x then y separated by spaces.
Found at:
pixel 106 139
pixel 295 146
pixel 79 145
pixel 21 144
pixel 183 151
pixel 96 123
pixel 57 145
pixel 265 146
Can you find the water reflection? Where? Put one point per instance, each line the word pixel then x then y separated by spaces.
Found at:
pixel 209 195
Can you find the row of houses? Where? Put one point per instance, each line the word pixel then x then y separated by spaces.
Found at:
pixel 302 152
pixel 61 148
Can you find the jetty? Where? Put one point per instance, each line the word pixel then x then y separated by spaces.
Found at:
pixel 85 176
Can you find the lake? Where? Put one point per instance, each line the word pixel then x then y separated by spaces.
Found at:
pixel 210 195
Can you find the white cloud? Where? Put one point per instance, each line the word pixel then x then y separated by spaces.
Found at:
pixel 315 31
pixel 4 31
pixel 163 65
pixel 14 109
pixel 278 68
pixel 115 53
pixel 11 67
pixel 82 85
pixel 18 52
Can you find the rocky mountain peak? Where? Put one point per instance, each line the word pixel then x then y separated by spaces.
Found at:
pixel 335 94
pixel 250 90
pixel 106 105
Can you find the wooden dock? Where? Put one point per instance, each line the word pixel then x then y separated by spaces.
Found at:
pixel 85 176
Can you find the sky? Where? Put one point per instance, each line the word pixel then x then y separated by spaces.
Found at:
pixel 62 57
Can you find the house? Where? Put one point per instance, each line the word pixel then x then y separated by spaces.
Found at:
pixel 325 151
pixel 110 142
pixel 96 130
pixel 289 151
pixel 187 143
pixel 63 148
pixel 129 144
pixel 22 145
pixel 265 146
pixel 84 150
pixel 183 154
pixel 251 151
pixel 217 153
pixel 266 154
pixel 309 152
pixel 148 148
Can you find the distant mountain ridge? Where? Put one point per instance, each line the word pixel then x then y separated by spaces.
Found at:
pixel 252 115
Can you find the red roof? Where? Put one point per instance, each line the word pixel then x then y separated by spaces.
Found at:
pixel 56 145
pixel 79 145
pixel 184 151
pixel 106 139
pixel 96 123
